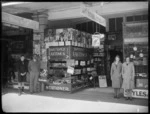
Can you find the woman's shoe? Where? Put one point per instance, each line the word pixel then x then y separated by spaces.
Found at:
pixel 115 96
pixel 118 97
pixel 131 98
pixel 127 98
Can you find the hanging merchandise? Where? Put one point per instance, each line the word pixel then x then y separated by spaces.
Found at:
pixel 96 40
pixel 135 48
pixel 37 49
pixel 141 54
pixel 131 56
pixel 70 70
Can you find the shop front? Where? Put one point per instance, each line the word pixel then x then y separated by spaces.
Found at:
pixel 69 58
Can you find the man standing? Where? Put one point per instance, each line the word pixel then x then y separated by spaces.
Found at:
pixel 34 70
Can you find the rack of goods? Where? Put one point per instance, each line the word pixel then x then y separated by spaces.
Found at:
pixel 136 46
pixel 68 59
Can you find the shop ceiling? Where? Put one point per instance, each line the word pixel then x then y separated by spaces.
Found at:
pixel 67 14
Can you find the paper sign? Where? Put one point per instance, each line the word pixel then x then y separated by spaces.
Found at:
pixel 95 40
pixel 102 81
pixel 70 70
pixel 37 49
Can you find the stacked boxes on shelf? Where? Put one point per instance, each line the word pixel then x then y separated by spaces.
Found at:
pixel 68 36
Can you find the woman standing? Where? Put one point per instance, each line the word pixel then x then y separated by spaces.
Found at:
pixel 116 70
pixel 22 70
pixel 128 74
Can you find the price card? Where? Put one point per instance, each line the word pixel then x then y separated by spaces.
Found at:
pixel 82 63
pixel 70 70
pixel 70 62
pixel 76 62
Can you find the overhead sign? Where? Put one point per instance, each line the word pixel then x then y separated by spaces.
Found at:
pixel 93 16
pixel 19 21
pixel 138 93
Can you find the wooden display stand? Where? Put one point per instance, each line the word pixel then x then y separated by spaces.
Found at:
pixel 65 57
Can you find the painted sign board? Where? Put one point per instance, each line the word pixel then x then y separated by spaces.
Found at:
pixel 59 52
pixel 68 52
pixel 138 93
pixel 19 21
pixel 61 87
pixel 93 16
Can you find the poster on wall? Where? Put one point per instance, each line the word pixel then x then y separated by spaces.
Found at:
pixel 37 49
pixel 95 40
pixel 44 54
pixel 70 70
pixel 36 37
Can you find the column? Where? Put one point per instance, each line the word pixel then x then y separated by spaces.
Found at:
pixel 38 35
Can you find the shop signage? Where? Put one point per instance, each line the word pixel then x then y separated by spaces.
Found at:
pixel 59 88
pixel 93 16
pixel 79 53
pixel 136 30
pixel 70 70
pixel 59 52
pixel 102 81
pixel 19 21
pixel 136 40
pixel 68 52
pixel 95 40
pixel 138 93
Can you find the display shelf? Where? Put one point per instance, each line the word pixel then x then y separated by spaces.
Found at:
pixel 136 47
pixel 58 67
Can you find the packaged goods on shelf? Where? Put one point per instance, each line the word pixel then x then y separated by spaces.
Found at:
pixel 66 34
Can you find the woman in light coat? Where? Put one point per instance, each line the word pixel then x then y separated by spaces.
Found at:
pixel 128 74
pixel 116 70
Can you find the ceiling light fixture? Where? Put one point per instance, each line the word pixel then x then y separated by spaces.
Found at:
pixel 13 3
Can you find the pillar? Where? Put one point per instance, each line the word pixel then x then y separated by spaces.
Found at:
pixel 38 35
pixel 42 18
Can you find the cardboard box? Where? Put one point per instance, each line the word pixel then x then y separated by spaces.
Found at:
pixel 67 43
pixel 76 44
pixel 66 34
pixel 54 43
pixel 61 43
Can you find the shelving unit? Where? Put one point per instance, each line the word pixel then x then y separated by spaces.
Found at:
pixel 136 46
pixel 59 78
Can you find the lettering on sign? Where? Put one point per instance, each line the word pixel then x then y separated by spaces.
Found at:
pixel 93 16
pixel 59 88
pixel 58 52
pixel 79 53
pixel 138 93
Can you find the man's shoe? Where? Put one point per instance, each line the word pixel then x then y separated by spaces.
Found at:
pixel 19 91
